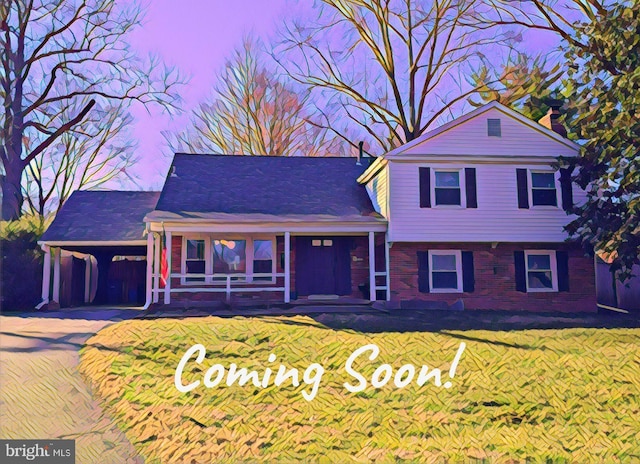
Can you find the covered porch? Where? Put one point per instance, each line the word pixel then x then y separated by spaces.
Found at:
pixel 261 261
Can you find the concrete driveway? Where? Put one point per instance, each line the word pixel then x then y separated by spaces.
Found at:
pixel 42 395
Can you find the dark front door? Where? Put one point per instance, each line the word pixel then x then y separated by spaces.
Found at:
pixel 323 266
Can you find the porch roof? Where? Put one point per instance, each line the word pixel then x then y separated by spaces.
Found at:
pixel 231 188
pixel 106 217
pixel 224 218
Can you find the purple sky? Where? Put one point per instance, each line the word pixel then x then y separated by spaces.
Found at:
pixel 196 36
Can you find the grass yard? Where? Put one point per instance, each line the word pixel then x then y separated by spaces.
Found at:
pixel 569 395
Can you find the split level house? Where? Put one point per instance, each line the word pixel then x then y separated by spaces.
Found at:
pixel 469 215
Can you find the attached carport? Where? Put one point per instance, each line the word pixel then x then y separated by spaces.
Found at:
pixel 102 225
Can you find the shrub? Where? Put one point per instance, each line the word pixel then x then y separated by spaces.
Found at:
pixel 21 263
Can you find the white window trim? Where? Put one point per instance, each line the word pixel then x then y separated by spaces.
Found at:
pixel 183 258
pixel 274 253
pixel 553 263
pixel 556 182
pixel 458 255
pixel 208 255
pixel 463 188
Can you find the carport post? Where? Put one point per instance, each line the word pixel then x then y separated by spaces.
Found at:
pixel 287 267
pixel 167 287
pixel 56 275
pixel 372 266
pixel 46 273
pixel 149 269
pixel 87 278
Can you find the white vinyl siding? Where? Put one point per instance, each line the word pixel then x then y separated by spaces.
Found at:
pixel 497 218
pixel 471 138
pixel 378 190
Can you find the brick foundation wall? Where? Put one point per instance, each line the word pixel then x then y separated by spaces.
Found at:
pixel 494 272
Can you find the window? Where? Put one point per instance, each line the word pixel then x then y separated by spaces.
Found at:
pixel 241 258
pixel 446 271
pixel 541 271
pixel 493 128
pixel 263 262
pixel 447 188
pixel 543 189
pixel 229 257
pixel 195 260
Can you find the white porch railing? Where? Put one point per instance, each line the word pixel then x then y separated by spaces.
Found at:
pixel 386 280
pixel 224 283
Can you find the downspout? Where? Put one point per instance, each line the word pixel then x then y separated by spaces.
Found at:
pixel 149 274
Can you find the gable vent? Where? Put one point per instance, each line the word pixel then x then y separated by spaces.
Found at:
pixel 493 128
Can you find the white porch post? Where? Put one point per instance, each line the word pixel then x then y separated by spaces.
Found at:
pixel 387 266
pixel 287 267
pixel 149 289
pixel 156 269
pixel 56 275
pixel 372 266
pixel 167 288
pixel 87 278
pixel 46 273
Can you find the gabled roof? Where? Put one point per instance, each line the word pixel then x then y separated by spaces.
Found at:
pixel 400 153
pixel 477 112
pixel 200 187
pixel 102 216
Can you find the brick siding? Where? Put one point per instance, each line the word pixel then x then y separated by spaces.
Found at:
pixel 494 273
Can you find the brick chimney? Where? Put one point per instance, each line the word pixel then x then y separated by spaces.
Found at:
pixel 550 120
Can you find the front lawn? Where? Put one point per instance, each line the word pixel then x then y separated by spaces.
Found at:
pixel 560 395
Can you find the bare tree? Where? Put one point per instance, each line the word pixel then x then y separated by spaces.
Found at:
pixel 94 152
pixel 55 54
pixel 557 16
pixel 393 68
pixel 253 113
pixel 566 18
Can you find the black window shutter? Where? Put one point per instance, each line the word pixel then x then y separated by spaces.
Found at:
pixel 468 278
pixel 562 259
pixel 523 188
pixel 425 188
pixel 567 190
pixel 470 185
pixel 423 271
pixel 521 271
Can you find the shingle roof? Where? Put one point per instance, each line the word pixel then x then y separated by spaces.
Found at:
pixel 264 185
pixel 101 216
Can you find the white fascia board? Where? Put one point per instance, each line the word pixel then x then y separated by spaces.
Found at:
pixel 393 238
pixel 266 228
pixel 372 170
pixel 93 243
pixel 474 159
